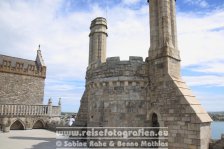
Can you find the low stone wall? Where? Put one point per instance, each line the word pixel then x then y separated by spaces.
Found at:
pixel 26 116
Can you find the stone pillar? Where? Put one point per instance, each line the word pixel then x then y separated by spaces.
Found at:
pixel 49 112
pixel 162 24
pixel 97 41
pixel 6 125
pixel 59 107
pixel 163 32
pixel 154 36
pixel 163 52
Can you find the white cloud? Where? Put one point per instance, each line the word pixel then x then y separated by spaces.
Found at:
pixel 210 67
pixel 210 101
pixel 201 3
pixel 209 80
pixel 199 41
pixel 130 2
pixel 64 38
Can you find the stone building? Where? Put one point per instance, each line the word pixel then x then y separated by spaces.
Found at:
pixel 134 93
pixel 21 94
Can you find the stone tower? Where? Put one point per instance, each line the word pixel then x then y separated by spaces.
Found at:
pixel 151 93
pixel 97 41
pixel 170 98
pixel 163 36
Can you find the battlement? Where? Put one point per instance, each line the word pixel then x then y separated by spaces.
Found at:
pixel 21 66
pixel 131 59
pixel 116 60
pixel 132 69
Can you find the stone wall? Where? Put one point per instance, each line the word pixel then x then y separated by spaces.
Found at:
pixel 188 123
pixel 21 89
pixel 127 94
pixel 115 90
pixel 135 93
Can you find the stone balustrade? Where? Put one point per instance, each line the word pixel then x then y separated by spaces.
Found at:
pixel 28 110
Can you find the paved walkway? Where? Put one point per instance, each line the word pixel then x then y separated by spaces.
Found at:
pixel 28 139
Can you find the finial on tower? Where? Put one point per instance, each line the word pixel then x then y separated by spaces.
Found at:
pixel 39 47
pixel 39 58
pixel 59 102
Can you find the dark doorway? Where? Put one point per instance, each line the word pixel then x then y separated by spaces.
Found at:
pixel 38 125
pixel 17 125
pixel 155 123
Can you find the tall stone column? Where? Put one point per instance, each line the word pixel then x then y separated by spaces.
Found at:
pixel 168 95
pixel 162 24
pixel 163 52
pixel 97 41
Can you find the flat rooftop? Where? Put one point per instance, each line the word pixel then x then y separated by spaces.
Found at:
pixel 28 139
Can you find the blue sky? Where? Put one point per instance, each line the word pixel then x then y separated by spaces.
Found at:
pixel 61 27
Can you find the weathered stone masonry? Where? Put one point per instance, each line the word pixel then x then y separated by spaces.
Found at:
pixel 22 81
pixel 17 89
pixel 128 93
pixel 21 94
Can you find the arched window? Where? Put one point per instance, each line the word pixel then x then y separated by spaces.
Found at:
pixel 17 125
pixel 155 122
pixel 38 125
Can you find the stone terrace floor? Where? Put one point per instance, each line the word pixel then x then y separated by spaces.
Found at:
pixel 28 139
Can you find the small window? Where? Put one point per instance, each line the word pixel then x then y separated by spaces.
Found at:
pixel 19 65
pixel 6 63
pixel 9 64
pixel 30 67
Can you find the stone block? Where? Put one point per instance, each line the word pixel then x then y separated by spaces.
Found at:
pixel 135 59
pixel 113 59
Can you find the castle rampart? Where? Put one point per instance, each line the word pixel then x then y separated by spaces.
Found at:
pixel 114 69
pixel 20 66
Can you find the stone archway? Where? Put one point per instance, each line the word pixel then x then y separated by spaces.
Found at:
pixel 154 120
pixel 154 115
pixel 155 129
pixel 17 125
pixel 38 125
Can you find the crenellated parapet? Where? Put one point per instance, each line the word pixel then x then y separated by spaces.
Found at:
pixel 114 71
pixel 20 66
